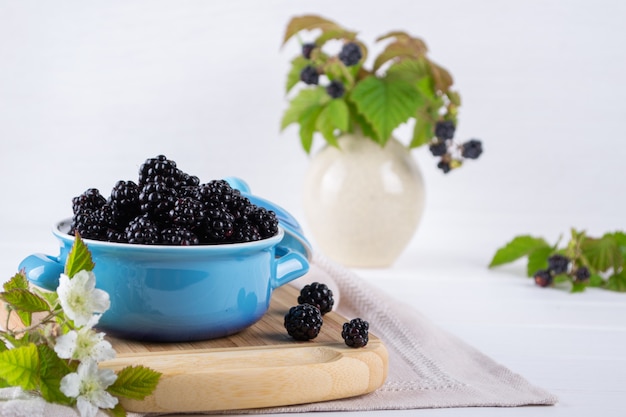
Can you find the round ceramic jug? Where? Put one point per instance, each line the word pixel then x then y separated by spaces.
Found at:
pixel 363 202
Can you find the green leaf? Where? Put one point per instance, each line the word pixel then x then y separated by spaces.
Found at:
pixel 117 411
pixel 308 126
pixel 302 104
pixel 324 124
pixel 19 280
pixel 578 287
pixel 400 50
pixel 603 253
pixel 20 366
pixel 538 259
pixel 52 370
pixel 519 247
pixel 79 258
pixel 385 103
pixel 339 33
pixel 596 281
pixel 24 300
pixel 293 76
pixel 309 22
pixel 617 282
pixel 135 382
pixel 4 384
pixel 422 133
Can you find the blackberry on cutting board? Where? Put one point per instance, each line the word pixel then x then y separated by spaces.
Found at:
pixel 303 322
pixel 319 295
pixel 356 333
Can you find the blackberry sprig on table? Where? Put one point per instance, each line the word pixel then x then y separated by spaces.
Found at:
pixel 317 294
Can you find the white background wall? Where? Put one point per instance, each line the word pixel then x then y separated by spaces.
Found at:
pixel 88 90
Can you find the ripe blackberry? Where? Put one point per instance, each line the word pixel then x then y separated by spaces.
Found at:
pixel 444 166
pixel 179 236
pixel 303 322
pixel 116 236
pixel 438 148
pixel 319 295
pixel 188 213
pixel 217 193
pixel 472 149
pixel 309 75
pixel 307 48
pixel 143 231
pixel 124 200
pixel 558 264
pixel 88 224
pixel 159 169
pixel 220 226
pixel 582 274
pixel 335 89
pixel 157 199
pixel 444 129
pixel 244 231
pixel 543 278
pixel 356 333
pixel 90 200
pixel 265 220
pixel 239 206
pixel 350 54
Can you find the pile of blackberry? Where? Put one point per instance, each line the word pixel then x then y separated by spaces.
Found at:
pixel 167 206
pixel 561 265
pixel 452 154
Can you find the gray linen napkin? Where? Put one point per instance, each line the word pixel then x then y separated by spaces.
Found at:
pixel 428 367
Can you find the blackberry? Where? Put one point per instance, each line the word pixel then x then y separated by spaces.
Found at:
pixel 543 278
pixel 558 264
pixel 335 89
pixel 116 236
pixel 319 295
pixel 356 333
pixel 157 199
pixel 217 193
pixel 220 226
pixel 472 149
pixel 245 231
pixel 266 221
pixel 309 75
pixel 444 129
pixel 88 224
pixel 159 169
pixel 142 230
pixel 303 322
pixel 125 199
pixel 240 206
pixel 188 213
pixel 582 274
pixel 438 148
pixel 179 236
pixel 90 200
pixel 444 166
pixel 350 54
pixel 307 48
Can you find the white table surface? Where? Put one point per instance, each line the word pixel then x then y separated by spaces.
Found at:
pixel 88 91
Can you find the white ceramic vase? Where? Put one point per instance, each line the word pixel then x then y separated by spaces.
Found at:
pixel 363 202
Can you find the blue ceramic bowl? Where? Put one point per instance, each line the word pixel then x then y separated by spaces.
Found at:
pixel 179 293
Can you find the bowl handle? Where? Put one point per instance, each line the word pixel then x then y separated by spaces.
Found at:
pixel 42 270
pixel 290 265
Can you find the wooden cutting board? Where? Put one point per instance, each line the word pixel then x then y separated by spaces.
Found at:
pixel 261 366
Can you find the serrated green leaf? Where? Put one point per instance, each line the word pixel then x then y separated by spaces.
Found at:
pixel 52 369
pixel 18 280
pixel 79 258
pixel 135 382
pixel 578 287
pixel 20 366
pixel 308 122
pixel 517 248
pixel 596 281
pixel 538 259
pixel 603 253
pixel 117 411
pixel 338 114
pixel 293 76
pixel 24 300
pixel 617 282
pixel 324 125
pixel 308 22
pixel 422 133
pixel 302 104
pixel 385 103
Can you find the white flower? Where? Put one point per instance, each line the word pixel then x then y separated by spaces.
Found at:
pixel 80 299
pixel 88 386
pixel 84 344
